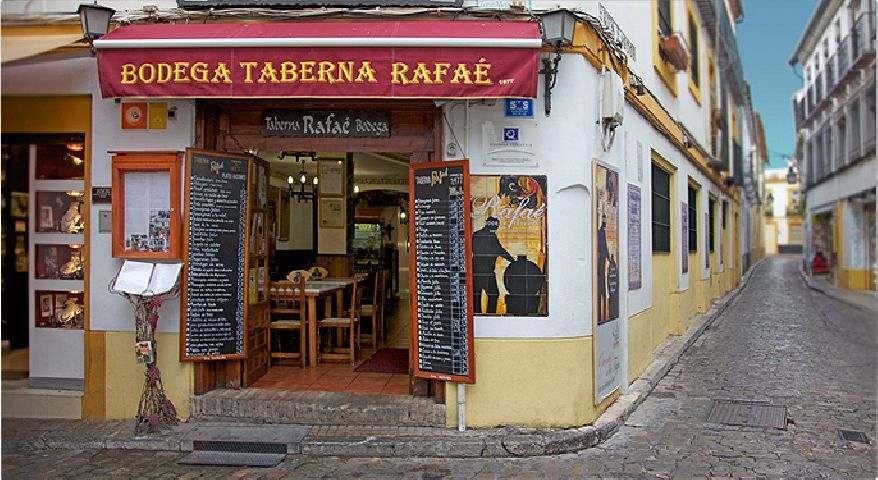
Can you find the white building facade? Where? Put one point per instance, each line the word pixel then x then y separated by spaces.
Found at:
pixel 835 119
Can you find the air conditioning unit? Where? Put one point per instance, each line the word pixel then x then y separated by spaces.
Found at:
pixel 612 99
pixel 674 49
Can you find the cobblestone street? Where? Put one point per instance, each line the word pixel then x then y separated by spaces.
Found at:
pixel 777 342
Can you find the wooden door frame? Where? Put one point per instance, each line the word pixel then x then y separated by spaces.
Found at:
pixel 215 130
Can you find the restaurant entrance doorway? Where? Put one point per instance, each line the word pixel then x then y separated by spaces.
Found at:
pixel 338 199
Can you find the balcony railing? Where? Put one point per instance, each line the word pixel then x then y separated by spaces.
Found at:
pixel 852 52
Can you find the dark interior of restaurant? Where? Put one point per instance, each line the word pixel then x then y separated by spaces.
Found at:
pixel 339 216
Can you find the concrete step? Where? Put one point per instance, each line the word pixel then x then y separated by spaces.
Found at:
pixel 318 408
pixel 241 438
pixel 19 400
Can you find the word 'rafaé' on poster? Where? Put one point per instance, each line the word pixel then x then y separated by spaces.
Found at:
pixel 509 242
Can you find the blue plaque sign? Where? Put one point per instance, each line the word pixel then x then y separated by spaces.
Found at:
pixel 519 107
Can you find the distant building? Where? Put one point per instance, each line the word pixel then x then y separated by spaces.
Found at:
pixel 835 119
pixel 783 220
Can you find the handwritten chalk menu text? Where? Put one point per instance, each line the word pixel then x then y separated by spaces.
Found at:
pixel 216 186
pixel 442 232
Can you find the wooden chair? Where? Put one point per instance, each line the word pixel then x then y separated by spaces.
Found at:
pixel 374 310
pixel 351 322
pixel 288 314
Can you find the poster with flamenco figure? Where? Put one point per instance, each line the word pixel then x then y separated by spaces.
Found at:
pixel 509 245
pixel 607 263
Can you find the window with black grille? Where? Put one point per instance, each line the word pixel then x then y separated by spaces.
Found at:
pixel 693 218
pixel 711 217
pixel 661 210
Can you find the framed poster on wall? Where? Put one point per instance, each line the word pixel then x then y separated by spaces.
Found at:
pixel 606 324
pixel 332 213
pixel 331 177
pixel 510 245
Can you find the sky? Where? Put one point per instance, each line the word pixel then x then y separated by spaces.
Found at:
pixel 766 40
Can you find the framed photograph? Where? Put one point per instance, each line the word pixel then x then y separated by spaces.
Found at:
pixel 46 306
pixel 331 176
pixel 47 218
pixel 18 205
pixel 47 262
pixel 332 213
pixel 59 212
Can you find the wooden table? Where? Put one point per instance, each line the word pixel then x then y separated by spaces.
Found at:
pixel 314 289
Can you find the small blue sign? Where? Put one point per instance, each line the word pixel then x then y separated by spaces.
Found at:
pixel 511 134
pixel 520 107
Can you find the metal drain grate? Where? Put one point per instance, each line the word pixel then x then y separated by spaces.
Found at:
pixel 853 436
pixel 239 447
pixel 748 414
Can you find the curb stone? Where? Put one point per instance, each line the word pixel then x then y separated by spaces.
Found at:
pixel 487 443
pixel 808 283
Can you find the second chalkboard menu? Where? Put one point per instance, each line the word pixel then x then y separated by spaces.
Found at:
pixel 441 232
pixel 214 303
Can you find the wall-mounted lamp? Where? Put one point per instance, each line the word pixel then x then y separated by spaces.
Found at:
pixel 356 189
pixel 95 21
pixel 557 29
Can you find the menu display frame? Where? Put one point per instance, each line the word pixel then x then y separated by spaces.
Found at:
pixel 243 288
pixel 470 377
pixel 125 163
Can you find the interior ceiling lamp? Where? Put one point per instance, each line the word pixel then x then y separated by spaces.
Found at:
pixel 557 29
pixel 296 187
pixel 95 21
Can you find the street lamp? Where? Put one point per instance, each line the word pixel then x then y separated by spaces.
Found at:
pixel 94 20
pixel 557 29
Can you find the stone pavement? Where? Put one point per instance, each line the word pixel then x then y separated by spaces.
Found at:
pixel 778 342
pixel 859 298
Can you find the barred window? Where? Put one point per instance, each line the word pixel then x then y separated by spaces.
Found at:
pixel 661 210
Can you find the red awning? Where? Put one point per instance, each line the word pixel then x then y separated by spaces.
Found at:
pixel 404 59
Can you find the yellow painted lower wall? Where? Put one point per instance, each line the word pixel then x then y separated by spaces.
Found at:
pixel 524 382
pixel 672 312
pixel 124 379
pixel 852 279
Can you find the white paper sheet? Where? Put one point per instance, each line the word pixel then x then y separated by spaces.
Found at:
pixel 147 211
pixel 133 277
pixel 164 277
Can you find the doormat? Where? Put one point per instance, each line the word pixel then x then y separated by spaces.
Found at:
pixel 387 360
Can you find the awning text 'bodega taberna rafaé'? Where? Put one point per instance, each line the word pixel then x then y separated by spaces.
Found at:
pixel 366 59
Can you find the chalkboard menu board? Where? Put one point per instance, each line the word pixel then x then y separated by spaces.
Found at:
pixel 442 284
pixel 214 301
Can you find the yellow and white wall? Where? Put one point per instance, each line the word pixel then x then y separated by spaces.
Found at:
pixel 533 371
pixel 783 223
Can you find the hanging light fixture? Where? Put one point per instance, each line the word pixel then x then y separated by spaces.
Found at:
pixel 356 189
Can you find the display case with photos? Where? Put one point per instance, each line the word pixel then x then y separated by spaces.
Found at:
pixel 61 161
pixel 146 205
pixel 59 309
pixel 59 212
pixel 58 262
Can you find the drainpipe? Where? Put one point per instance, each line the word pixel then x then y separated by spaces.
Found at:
pixel 461 407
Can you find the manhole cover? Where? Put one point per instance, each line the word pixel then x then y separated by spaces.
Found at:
pixel 748 414
pixel 853 436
